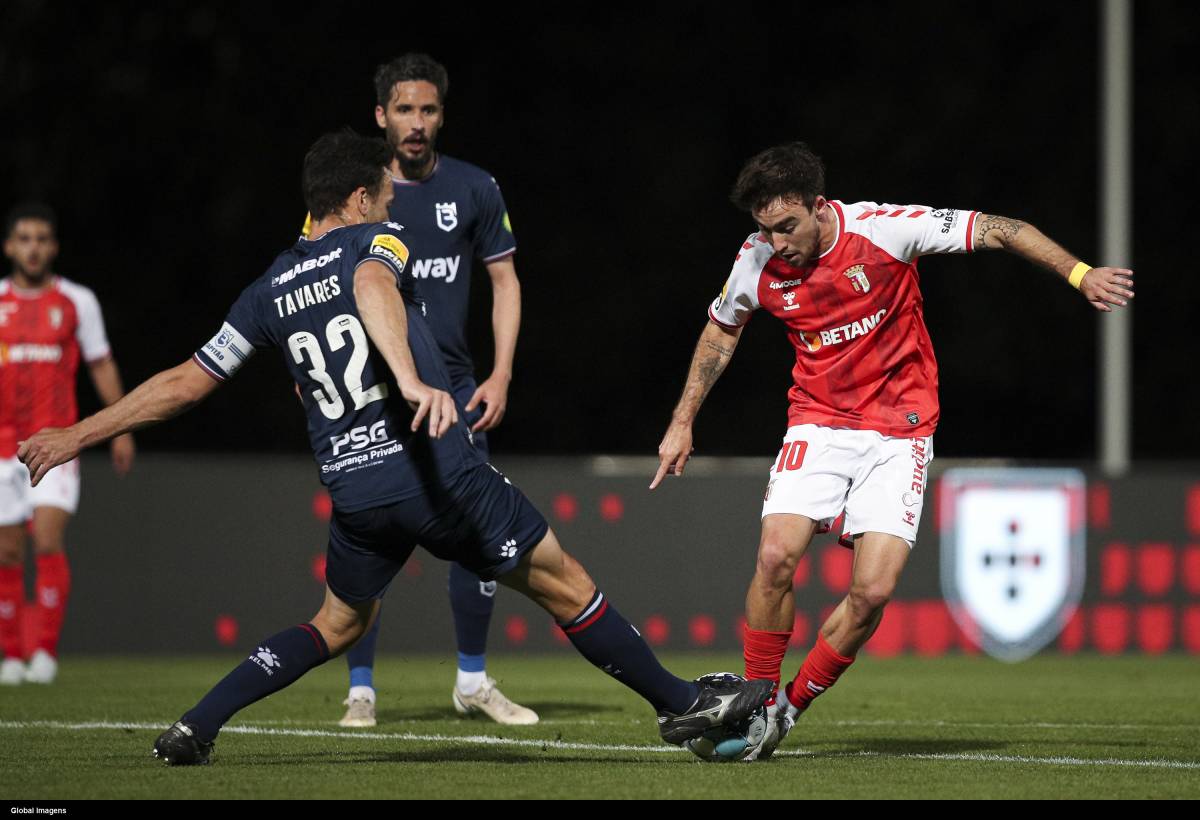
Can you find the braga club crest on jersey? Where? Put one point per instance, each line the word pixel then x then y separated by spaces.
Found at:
pixel 858 277
pixel 447 215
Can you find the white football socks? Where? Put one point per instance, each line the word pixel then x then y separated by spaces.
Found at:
pixel 468 683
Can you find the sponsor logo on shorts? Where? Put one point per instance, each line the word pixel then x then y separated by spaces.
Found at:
pixel 909 500
pixel 770 486
pixel 910 518
pixel 508 549
pixel 919 460
pixel 487 589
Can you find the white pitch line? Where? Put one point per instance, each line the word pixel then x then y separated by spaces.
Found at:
pixel 487 740
pixel 1027 725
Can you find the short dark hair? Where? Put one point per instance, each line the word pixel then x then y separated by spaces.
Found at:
pixel 407 68
pixel 790 171
pixel 337 165
pixel 30 210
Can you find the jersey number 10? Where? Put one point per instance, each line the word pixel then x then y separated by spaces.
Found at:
pixel 328 398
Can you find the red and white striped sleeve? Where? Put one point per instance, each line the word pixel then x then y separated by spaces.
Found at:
pixel 909 231
pixel 739 297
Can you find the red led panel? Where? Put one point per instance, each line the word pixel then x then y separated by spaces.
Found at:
pixel 656 630
pixel 1099 506
pixel 516 629
pixel 1155 568
pixel 1189 628
pixel 1190 568
pixel 702 630
pixel 1110 628
pixel 612 508
pixel 322 506
pixel 888 639
pixel 1193 509
pixel 837 567
pixel 803 571
pixel 1155 628
pixel 1071 639
pixel 1116 568
pixel 317 566
pixel 566 507
pixel 932 628
pixel 226 630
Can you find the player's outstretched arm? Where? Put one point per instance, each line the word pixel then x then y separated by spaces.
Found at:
pixel 382 310
pixel 713 352
pixel 1103 287
pixel 159 398
pixel 506 324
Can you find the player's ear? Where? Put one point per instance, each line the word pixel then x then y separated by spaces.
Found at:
pixel 380 119
pixel 819 203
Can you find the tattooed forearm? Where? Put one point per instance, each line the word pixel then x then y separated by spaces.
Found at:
pixel 713 353
pixel 996 231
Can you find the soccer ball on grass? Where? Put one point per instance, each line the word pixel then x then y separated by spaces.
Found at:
pixel 726 744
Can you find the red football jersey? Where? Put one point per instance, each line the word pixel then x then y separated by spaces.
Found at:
pixel 43 333
pixel 863 356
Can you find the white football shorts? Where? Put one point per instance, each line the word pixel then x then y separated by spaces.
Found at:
pixel 878 481
pixel 58 488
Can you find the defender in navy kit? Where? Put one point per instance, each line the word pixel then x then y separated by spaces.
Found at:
pixel 453 214
pixel 393 452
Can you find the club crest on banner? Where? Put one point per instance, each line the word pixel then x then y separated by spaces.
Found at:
pixel 1013 554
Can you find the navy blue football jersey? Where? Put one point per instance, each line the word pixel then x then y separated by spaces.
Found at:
pixel 451 218
pixel 358 422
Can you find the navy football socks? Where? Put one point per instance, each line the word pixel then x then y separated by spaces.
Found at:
pixel 611 643
pixel 361 657
pixel 278 661
pixel 472 613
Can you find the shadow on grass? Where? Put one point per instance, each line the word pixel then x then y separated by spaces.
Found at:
pixel 556 710
pixel 452 754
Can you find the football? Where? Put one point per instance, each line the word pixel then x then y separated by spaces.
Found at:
pixel 726 744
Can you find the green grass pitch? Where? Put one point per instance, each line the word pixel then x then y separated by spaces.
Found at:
pixel 958 727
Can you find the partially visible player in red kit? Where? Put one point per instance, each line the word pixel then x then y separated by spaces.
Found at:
pixel 47 324
pixel 863 407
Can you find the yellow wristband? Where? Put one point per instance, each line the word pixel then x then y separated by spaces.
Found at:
pixel 1077 274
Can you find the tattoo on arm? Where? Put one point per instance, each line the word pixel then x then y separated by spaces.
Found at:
pixel 1000 230
pixel 708 364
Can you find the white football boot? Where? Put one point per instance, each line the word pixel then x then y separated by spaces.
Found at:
pixel 360 708
pixel 12 672
pixel 491 701
pixel 781 717
pixel 43 668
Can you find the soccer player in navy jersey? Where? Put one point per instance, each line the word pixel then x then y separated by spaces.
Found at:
pixel 391 450
pixel 452 213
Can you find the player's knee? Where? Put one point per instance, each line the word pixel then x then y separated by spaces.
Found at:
pixel 777 562
pixel 48 543
pixel 11 547
pixel 866 599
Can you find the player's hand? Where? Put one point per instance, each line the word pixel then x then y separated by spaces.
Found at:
pixel 674 452
pixel 46 449
pixel 428 401
pixel 494 395
pixel 122 454
pixel 1106 287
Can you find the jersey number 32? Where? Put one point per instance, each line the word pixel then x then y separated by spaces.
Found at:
pixel 328 398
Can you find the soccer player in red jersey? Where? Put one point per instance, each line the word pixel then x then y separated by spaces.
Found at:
pixel 863 407
pixel 47 324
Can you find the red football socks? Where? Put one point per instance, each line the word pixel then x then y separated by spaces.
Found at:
pixel 52 588
pixel 820 670
pixel 764 653
pixel 12 600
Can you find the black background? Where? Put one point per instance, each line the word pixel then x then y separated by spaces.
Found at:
pixel 169 137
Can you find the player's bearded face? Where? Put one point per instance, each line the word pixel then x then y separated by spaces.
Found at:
pixel 412 119
pixel 792 228
pixel 32 247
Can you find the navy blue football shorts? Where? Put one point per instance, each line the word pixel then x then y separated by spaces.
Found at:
pixel 479 520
